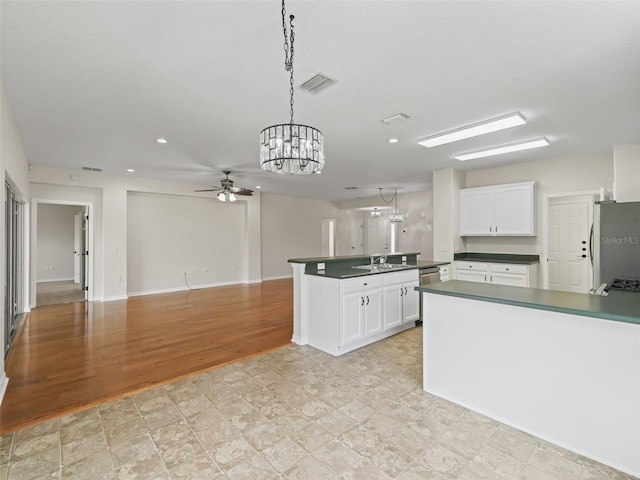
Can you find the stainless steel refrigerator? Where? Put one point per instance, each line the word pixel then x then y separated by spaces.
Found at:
pixel 615 241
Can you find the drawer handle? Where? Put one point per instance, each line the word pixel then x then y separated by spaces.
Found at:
pixel 362 301
pixel 367 299
pixel 507 269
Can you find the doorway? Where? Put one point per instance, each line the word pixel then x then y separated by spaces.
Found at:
pixel 14 282
pixel 378 236
pixel 568 224
pixel 61 262
pixel 329 237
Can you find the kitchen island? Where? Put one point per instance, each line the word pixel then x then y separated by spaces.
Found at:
pixel 344 303
pixel 564 367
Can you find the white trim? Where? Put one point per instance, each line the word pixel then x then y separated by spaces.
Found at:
pixel 67 279
pixel 548 199
pixel 4 383
pixel 33 234
pixel 276 278
pixel 182 288
pixel 115 297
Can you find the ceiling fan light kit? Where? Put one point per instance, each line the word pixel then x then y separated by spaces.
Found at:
pixel 228 193
pixel 291 148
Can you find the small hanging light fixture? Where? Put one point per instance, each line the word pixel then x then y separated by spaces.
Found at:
pixel 291 148
pixel 375 213
pixel 396 216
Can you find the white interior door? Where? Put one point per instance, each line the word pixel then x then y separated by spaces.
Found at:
pixel 357 237
pixel 568 246
pixel 378 236
pixel 77 242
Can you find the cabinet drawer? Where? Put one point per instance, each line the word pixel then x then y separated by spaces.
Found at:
pixel 508 268
pixel 473 266
pixel 361 283
pixel 399 277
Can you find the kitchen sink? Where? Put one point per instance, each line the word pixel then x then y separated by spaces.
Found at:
pixel 383 266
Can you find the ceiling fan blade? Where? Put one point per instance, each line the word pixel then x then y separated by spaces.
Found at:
pixel 244 191
pixel 213 189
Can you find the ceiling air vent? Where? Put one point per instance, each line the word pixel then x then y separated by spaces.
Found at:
pixel 92 169
pixel 316 84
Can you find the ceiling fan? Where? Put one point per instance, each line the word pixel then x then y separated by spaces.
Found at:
pixel 228 193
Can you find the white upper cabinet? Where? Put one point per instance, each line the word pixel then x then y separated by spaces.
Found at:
pixel 500 210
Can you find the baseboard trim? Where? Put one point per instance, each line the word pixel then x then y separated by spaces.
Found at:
pixel 277 278
pixel 115 297
pixel 4 383
pixel 48 280
pixel 182 289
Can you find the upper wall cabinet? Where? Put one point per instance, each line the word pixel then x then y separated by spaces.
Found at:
pixel 499 210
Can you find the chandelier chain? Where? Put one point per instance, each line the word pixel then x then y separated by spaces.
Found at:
pixel 288 55
pixel 395 195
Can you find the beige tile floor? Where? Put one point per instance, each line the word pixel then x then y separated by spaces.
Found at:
pixel 295 413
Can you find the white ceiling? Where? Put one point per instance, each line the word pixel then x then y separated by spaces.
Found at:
pixel 95 83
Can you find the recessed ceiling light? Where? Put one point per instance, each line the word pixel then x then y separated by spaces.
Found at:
pixel 512 147
pixel 473 130
pixel 393 140
pixel 130 170
pixel 161 140
pixel 258 186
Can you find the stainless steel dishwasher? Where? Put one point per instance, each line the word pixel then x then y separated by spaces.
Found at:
pixel 427 275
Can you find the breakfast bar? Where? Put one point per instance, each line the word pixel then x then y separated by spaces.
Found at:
pixel 564 367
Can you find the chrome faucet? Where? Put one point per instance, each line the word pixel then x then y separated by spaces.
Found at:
pixel 382 259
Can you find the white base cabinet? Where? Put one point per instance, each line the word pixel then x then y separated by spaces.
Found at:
pixel 401 301
pixel 515 275
pixel 342 315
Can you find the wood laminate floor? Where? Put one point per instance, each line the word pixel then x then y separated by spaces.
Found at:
pixel 71 356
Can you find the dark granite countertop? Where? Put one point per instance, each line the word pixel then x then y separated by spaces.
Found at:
pixel 514 258
pixel 432 263
pixel 350 272
pixel 365 258
pixel 617 306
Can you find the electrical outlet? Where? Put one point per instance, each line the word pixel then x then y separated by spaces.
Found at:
pixel 118 279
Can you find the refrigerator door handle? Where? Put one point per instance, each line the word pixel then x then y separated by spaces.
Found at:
pixel 591 245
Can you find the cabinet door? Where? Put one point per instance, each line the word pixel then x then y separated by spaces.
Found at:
pixel 476 212
pixel 372 312
pixel 509 279
pixel 470 276
pixel 352 328
pixel 514 210
pixel 410 302
pixel 392 301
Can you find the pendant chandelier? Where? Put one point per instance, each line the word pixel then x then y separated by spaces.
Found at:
pixel 291 148
pixel 396 216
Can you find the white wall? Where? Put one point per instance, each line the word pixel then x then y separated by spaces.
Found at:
pixel 168 235
pixel 14 168
pixel 55 242
pixel 559 175
pixel 626 173
pixel 415 234
pixel 446 213
pixel 291 227
pixel 109 197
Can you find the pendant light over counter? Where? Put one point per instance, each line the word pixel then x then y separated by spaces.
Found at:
pixel 291 148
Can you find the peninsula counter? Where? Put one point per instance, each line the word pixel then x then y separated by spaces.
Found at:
pixel 564 367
